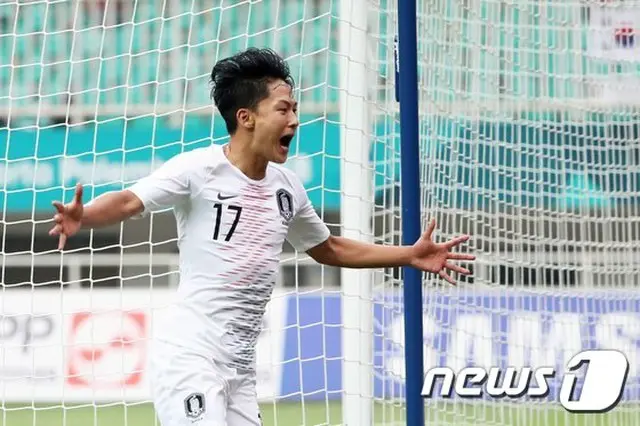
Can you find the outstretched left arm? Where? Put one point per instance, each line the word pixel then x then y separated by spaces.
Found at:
pixel 424 254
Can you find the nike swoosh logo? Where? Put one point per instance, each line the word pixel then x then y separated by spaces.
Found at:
pixel 225 197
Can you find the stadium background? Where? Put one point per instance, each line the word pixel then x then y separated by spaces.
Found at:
pixel 113 67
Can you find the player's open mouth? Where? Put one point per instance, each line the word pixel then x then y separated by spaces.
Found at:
pixel 285 141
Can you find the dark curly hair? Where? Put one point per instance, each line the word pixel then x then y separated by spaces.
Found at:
pixel 241 81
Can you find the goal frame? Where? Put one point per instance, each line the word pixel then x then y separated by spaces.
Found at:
pixel 356 214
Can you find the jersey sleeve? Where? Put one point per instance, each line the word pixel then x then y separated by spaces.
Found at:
pixel 166 187
pixel 306 229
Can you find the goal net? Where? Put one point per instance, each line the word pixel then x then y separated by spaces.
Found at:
pixel 528 118
pixel 528 142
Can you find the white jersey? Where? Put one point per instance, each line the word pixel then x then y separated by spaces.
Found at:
pixel 231 230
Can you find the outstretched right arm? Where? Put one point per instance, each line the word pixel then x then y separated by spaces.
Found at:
pixel 111 208
pixel 164 188
pixel 105 210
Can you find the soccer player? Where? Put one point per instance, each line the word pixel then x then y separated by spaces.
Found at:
pixel 235 205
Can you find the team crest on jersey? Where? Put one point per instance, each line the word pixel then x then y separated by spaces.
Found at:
pixel 194 405
pixel 285 203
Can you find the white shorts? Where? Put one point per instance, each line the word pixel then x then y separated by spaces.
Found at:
pixel 189 389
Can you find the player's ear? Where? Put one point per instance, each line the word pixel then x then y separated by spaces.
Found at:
pixel 245 118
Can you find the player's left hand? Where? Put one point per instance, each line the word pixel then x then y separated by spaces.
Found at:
pixel 437 258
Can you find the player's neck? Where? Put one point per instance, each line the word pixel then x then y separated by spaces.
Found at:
pixel 241 156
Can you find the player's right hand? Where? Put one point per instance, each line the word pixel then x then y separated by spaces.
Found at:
pixel 68 218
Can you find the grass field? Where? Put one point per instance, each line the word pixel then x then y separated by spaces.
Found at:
pixel 294 414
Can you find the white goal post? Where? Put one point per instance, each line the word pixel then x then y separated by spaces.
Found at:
pixel 356 209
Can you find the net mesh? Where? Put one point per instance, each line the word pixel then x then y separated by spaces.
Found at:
pixel 529 144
